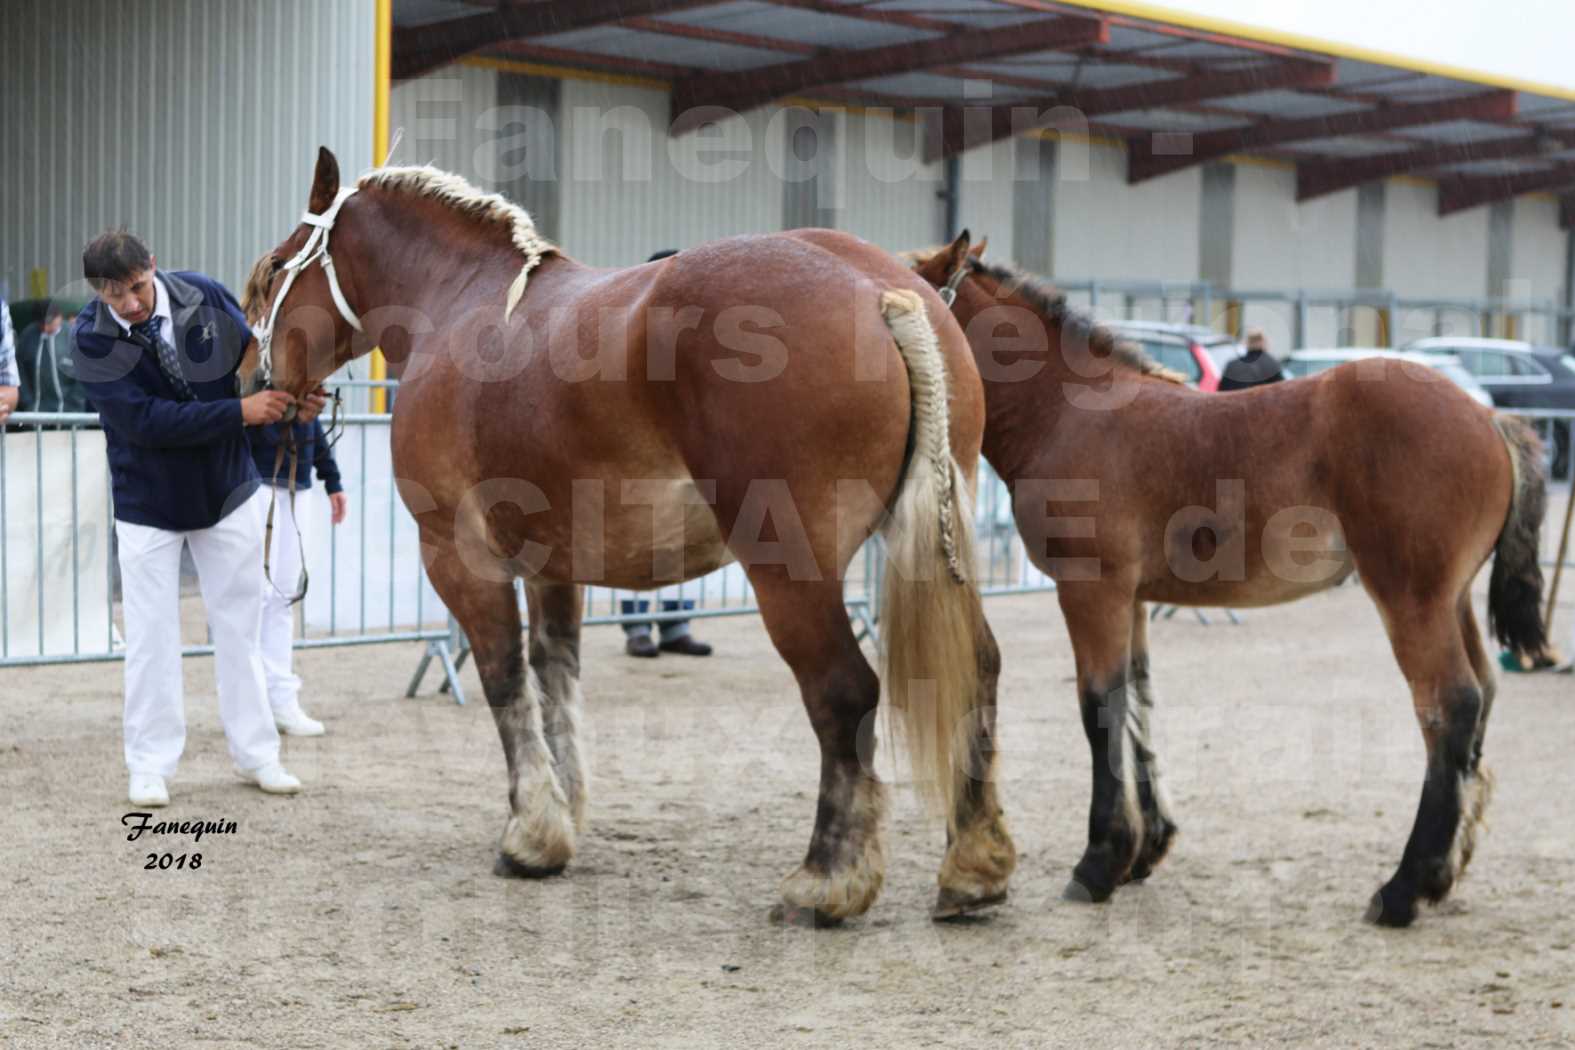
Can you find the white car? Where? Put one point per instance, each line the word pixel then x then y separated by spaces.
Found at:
pixel 1311 362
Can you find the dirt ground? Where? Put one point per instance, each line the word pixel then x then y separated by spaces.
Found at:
pixel 363 912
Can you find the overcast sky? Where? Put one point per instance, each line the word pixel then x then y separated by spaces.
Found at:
pixel 1526 39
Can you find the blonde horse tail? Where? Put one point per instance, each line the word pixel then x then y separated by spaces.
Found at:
pixel 931 619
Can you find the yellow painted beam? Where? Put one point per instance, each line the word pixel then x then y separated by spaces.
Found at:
pixel 383 48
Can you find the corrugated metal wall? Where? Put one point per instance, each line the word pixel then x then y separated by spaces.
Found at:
pixel 193 122
pixel 629 190
pixel 442 117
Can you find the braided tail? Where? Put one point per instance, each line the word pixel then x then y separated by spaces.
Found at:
pixel 931 619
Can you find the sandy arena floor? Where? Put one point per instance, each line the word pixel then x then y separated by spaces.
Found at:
pixel 363 913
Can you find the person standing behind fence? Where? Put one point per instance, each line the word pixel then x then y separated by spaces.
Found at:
pixel 1254 368
pixel 277 635
pixel 10 381
pixel 156 353
pixel 675 634
pixel 43 358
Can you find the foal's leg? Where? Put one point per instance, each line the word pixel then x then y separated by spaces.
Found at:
pixel 1099 619
pixel 1433 655
pixel 554 659
pixel 846 864
pixel 1158 827
pixel 539 836
pixel 1478 787
pixel 980 856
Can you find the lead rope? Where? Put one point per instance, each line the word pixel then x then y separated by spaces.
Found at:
pixel 273 502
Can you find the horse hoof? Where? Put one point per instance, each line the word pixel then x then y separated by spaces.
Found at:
pixel 954 907
pixel 1078 893
pixel 1396 914
pixel 509 868
pixel 784 914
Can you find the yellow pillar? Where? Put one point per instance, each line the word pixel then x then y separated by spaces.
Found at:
pixel 382 64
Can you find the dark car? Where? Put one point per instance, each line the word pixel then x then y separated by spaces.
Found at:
pixel 1518 375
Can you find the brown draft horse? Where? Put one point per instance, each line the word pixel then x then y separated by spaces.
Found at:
pixel 1128 487
pixel 765 399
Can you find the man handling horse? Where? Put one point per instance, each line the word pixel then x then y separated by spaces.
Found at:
pixel 157 352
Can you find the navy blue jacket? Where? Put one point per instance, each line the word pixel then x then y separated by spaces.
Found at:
pixel 314 453
pixel 175 465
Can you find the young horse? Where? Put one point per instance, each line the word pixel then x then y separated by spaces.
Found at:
pixel 758 398
pixel 1128 487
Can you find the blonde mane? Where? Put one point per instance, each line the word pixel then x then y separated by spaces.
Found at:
pixel 458 195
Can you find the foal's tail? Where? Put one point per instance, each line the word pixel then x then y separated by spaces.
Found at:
pixel 1515 588
pixel 931 619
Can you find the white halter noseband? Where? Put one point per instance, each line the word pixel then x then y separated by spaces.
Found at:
pixel 315 248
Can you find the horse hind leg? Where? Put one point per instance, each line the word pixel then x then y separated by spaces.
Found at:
pixel 554 658
pixel 539 836
pixel 980 855
pixel 845 866
pixel 1479 779
pixel 1159 829
pixel 1434 656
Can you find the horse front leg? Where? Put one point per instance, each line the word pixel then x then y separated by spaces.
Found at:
pixel 1158 827
pixel 539 837
pixel 554 658
pixel 1099 618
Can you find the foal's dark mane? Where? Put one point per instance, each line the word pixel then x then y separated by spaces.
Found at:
pixel 1050 302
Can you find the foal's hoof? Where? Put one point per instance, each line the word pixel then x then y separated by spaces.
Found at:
pixel 784 914
pixel 951 906
pixel 509 868
pixel 1079 893
pixel 1388 908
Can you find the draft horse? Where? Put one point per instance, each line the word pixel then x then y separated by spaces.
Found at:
pixel 764 399
pixel 1129 487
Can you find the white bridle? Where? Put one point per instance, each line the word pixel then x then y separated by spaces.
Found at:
pixel 315 248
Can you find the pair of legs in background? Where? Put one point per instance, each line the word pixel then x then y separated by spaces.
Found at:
pixel 674 635
pixel 155 716
pixel 277 634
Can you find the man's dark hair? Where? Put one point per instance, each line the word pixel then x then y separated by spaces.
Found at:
pixel 114 255
pixel 663 254
pixel 53 310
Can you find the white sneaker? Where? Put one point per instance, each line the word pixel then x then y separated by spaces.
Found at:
pixel 292 721
pixel 272 779
pixel 147 789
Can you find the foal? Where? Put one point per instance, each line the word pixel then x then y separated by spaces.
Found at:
pixel 1129 487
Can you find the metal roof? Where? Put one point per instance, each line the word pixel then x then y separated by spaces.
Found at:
pixel 1177 96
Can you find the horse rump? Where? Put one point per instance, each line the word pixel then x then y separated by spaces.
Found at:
pixel 1515 587
pixel 931 617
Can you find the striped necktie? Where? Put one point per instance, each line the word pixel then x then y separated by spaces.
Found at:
pixel 152 331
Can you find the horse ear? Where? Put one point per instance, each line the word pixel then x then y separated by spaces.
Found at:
pixel 325 182
pixel 977 251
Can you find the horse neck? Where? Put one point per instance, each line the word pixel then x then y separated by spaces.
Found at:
pixel 413 256
pixel 1020 408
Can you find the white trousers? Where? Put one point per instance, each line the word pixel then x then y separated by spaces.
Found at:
pixel 278 621
pixel 227 557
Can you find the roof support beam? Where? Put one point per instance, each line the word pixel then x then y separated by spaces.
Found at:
pixel 1461 192
pixel 697 100
pixel 1150 156
pixel 961 128
pixel 1321 178
pixel 421 49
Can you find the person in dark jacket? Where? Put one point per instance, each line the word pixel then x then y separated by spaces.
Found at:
pixel 157 352
pixel 277 633
pixel 1254 368
pixel 43 357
